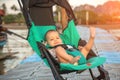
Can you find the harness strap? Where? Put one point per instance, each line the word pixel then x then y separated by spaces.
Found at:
pixel 66 47
pixel 62 45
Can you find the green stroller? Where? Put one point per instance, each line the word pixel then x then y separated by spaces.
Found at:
pixel 39 19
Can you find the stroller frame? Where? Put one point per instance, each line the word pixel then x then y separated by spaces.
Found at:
pixel 54 65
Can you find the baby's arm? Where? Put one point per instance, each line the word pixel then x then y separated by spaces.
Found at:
pixel 85 50
pixel 92 32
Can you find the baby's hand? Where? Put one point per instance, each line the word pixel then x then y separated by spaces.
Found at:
pixel 92 32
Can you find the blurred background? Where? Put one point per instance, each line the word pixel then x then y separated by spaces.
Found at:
pixel 86 11
pixel 15 52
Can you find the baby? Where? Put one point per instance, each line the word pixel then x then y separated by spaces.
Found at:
pixel 53 39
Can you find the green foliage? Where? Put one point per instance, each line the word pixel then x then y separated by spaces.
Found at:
pixel 13 18
pixel 9 18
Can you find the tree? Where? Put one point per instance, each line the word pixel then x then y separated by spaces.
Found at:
pixel 4 7
pixel 14 8
pixel 81 16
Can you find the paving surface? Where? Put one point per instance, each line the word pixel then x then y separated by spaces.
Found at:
pixel 105 45
pixel 15 45
pixel 38 71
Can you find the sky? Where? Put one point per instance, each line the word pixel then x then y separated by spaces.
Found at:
pixel 73 3
pixel 91 2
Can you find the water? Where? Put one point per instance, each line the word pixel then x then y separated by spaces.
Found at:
pixel 105 44
pixel 32 58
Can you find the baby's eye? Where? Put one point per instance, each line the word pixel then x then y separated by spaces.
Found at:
pixel 58 38
pixel 51 39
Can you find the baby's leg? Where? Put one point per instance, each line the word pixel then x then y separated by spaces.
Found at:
pixel 65 57
pixel 71 60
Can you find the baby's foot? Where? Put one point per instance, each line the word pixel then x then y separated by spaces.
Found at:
pixel 75 59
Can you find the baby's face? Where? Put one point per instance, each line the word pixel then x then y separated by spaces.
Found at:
pixel 53 38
